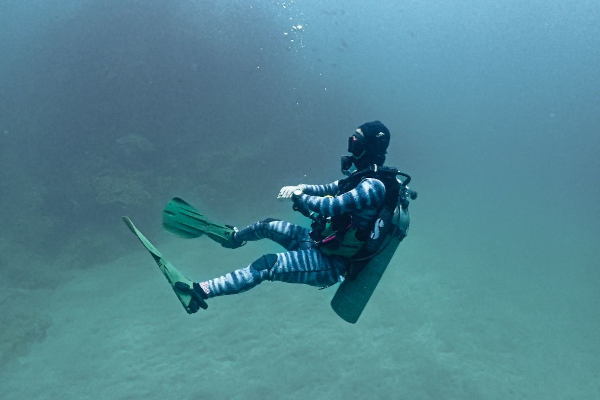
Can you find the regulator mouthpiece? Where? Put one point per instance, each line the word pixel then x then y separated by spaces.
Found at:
pixel 347 162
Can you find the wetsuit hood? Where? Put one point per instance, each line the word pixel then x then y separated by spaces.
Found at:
pixel 368 146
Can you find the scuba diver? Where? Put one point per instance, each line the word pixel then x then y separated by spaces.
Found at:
pixel 352 223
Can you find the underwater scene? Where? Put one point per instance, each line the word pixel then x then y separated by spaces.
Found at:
pixel 178 179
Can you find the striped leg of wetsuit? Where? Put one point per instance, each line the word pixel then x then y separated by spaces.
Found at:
pixel 307 266
pixel 290 236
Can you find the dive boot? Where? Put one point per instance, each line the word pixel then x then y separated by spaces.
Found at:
pixel 183 220
pixel 191 296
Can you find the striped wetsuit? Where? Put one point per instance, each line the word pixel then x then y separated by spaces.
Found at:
pixel 303 262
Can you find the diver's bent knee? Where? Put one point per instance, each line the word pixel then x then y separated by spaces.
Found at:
pixel 267 262
pixel 265 222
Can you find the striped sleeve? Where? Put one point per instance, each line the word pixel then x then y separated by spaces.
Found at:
pixel 369 193
pixel 329 189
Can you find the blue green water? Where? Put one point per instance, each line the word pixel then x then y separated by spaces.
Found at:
pixel 109 108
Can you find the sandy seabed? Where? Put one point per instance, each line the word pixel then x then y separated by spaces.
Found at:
pixel 116 331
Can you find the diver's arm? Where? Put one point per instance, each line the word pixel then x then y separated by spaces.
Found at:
pixel 369 193
pixel 316 190
pixel 329 189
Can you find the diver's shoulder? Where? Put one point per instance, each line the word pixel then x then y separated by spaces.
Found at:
pixel 374 183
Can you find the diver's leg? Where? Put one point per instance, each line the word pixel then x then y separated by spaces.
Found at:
pixel 309 267
pixel 290 236
pixel 240 280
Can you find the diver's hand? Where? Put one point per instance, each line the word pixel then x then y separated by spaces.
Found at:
pixel 299 205
pixel 286 192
